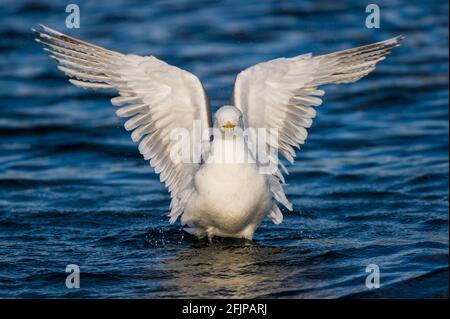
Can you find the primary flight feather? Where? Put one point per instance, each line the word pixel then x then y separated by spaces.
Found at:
pixel 224 191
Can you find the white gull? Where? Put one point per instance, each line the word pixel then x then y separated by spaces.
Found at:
pixel 213 195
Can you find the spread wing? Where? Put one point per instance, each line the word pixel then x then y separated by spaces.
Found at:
pixel 156 97
pixel 282 93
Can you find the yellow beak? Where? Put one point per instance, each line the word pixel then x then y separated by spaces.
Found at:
pixel 228 125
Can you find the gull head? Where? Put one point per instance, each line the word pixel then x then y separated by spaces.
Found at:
pixel 228 118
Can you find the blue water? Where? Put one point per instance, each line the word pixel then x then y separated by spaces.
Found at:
pixel 370 185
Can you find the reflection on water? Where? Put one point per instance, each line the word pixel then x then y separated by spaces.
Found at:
pixel 217 271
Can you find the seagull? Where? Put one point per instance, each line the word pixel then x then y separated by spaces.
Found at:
pixel 217 193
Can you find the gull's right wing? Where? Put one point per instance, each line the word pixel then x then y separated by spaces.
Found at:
pixel 157 97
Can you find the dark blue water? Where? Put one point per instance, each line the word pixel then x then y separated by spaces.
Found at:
pixel 369 186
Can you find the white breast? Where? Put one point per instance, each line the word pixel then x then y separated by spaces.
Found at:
pixel 232 197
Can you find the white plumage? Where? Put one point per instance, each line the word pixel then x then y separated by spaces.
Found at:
pixel 217 193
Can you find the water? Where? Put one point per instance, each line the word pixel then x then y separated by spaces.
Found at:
pixel 369 186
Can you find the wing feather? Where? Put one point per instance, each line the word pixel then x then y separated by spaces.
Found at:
pixel 155 97
pixel 282 94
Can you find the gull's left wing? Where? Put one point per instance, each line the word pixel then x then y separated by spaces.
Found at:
pixel 281 94
pixel 158 98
